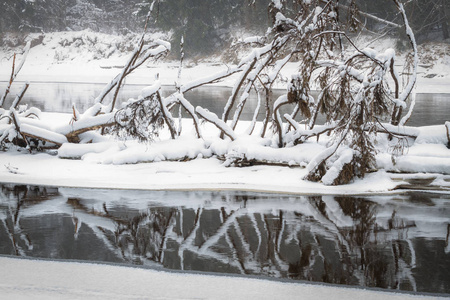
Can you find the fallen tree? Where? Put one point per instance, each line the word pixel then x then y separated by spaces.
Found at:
pixel 360 96
pixel 19 131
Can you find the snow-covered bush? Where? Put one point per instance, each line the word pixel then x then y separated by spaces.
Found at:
pixel 140 119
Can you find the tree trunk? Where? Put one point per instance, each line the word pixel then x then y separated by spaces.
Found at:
pixel 444 22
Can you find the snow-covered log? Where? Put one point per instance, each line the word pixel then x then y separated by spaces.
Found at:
pixel 22 131
pixel 292 122
pixel 42 134
pixel 73 130
pixel 336 173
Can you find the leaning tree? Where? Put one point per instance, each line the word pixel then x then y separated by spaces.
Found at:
pixel 357 89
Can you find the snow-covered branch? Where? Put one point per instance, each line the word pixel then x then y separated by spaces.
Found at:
pixel 14 71
pixel 220 124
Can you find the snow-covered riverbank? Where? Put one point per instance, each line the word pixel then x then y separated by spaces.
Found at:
pixel 86 56
pixel 25 279
pixel 91 57
pixel 109 163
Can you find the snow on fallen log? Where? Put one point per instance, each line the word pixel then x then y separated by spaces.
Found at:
pixel 77 151
pixel 436 134
pixel 35 123
pixel 413 164
pixel 42 134
pixel 320 158
pixel 181 149
pixel 255 150
pixel 87 124
pixel 401 130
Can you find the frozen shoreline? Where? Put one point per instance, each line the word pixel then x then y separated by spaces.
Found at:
pixel 110 163
pixel 41 279
pixel 198 174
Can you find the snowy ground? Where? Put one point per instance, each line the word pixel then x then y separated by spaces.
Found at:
pixel 25 279
pixel 109 163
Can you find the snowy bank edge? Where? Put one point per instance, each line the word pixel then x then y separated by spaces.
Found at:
pixel 66 271
pixel 319 190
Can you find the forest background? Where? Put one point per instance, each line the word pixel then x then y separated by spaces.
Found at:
pixel 207 25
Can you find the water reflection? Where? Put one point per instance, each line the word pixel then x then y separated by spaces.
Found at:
pixel 395 242
pixel 430 109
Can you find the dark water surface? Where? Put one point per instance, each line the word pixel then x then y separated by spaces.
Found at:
pixel 392 242
pixel 430 109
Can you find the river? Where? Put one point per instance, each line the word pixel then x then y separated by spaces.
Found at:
pixel 391 242
pixel 430 109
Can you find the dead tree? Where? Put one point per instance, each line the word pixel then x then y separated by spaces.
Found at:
pixel 14 71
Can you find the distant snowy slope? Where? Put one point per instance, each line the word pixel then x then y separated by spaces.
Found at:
pixel 86 56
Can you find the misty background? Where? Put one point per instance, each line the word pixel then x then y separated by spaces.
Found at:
pixel 207 25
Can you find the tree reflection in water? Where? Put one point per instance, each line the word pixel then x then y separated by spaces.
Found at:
pixel 377 242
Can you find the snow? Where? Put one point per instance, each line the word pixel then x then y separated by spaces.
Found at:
pixel 150 90
pixel 345 157
pixel 40 132
pixel 39 279
pixel 277 4
pixel 415 163
pixel 431 135
pixel 211 117
pixel 253 39
pixel 86 122
pixel 77 151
